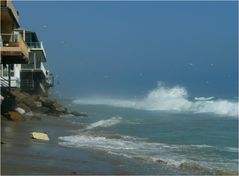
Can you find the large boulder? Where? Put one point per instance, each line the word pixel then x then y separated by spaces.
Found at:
pixel 24 106
pixel 37 104
pixel 57 107
pixel 19 95
pixel 29 101
pixel 43 109
pixel 47 102
pixel 20 110
pixel 15 116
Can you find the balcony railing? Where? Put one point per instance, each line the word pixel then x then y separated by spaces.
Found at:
pixel 34 67
pixel 14 43
pixel 37 45
pixel 50 79
pixel 9 4
pixel 43 69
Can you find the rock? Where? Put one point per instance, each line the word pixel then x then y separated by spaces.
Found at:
pixel 43 109
pixel 19 95
pixel 20 110
pixel 78 113
pixel 29 102
pixel 56 106
pixel 25 107
pixel 29 114
pixel 47 102
pixel 35 118
pixel 40 136
pixel 15 116
pixel 37 104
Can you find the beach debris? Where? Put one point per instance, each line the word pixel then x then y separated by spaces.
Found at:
pixel 40 136
pixel 20 110
pixel 15 116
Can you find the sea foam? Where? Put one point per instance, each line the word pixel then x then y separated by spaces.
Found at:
pixel 105 123
pixel 137 148
pixel 169 99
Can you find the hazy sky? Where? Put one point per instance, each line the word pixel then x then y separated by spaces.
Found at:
pixel 124 48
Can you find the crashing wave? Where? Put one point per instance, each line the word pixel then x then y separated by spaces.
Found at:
pixel 170 99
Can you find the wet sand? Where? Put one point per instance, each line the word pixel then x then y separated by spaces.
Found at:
pixel 22 155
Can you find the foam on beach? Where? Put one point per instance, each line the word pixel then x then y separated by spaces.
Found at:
pixel 161 153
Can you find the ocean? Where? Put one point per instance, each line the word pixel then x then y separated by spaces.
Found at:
pixel 167 132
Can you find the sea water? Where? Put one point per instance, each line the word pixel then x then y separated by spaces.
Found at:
pixel 189 137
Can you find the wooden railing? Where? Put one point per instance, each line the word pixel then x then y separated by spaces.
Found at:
pixel 11 41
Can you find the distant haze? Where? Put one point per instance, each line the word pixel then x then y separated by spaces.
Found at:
pixel 125 48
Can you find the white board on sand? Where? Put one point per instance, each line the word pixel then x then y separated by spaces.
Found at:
pixel 40 136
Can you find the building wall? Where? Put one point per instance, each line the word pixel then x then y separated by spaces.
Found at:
pixel 7 27
pixel 15 74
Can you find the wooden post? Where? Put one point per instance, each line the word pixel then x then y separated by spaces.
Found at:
pixel 9 77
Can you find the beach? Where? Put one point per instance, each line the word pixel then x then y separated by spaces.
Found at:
pixel 20 154
pixel 134 142
pixel 23 155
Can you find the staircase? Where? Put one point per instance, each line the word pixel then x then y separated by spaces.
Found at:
pixel 4 83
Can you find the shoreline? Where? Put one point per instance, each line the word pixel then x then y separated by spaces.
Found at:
pixel 49 157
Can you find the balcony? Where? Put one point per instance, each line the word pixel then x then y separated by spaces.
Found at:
pixel 8 12
pixel 50 79
pixel 34 68
pixel 14 49
pixel 38 48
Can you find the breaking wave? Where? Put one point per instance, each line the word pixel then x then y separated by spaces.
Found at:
pixel 170 99
pixel 168 154
pixel 105 123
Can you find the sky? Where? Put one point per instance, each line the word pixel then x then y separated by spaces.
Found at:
pixel 125 48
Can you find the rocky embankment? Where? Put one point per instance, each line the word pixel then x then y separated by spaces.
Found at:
pixel 26 106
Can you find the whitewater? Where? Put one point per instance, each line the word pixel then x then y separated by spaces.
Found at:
pixel 173 99
pixel 165 129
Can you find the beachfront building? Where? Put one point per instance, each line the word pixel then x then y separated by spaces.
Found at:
pixel 35 79
pixel 14 50
pixel 22 55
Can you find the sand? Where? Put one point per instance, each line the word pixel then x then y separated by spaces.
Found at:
pixel 20 154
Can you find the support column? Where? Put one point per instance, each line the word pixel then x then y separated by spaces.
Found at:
pixel 9 77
